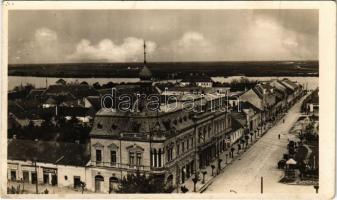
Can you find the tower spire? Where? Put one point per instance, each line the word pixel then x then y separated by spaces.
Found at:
pixel 144 52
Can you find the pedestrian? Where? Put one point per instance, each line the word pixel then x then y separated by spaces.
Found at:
pixel 279 136
pixel 283 121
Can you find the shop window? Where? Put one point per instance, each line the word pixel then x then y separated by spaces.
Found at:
pixel 13 175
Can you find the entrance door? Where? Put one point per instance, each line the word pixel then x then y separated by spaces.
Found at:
pixel 113 184
pixel 99 183
pixel 34 177
pixel 54 179
pixel 183 171
pixel 25 175
pixel 77 181
pixel 46 178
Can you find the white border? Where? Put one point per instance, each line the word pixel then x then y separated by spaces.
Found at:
pixel 327 53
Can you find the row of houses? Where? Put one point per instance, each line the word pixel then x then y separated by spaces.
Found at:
pixel 172 142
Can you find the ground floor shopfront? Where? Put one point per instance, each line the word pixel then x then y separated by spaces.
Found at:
pixel 46 174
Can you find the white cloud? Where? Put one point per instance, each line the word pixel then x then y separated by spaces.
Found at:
pixel 43 47
pixel 131 49
pixel 192 41
pixel 265 39
pixel 191 46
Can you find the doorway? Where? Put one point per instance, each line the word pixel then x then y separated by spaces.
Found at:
pixel 113 184
pixel 99 180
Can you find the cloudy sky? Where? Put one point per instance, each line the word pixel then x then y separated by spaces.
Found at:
pixel 171 35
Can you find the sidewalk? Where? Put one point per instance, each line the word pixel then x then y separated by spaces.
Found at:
pixel 201 187
pixel 31 189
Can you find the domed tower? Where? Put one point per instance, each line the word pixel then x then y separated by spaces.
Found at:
pixel 145 73
pixel 145 76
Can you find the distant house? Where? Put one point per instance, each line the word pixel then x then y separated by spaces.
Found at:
pixel 50 102
pixel 57 90
pixel 263 98
pixel 93 102
pixel 200 81
pixel 236 133
pixel 23 112
pixel 83 115
pixel 295 89
pixel 35 94
pixel 81 91
pixel 59 164
pixel 312 103
pixel 68 95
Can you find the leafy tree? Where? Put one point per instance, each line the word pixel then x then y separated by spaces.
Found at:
pixel 140 183
pixel 97 85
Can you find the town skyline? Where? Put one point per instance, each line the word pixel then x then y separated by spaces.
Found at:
pixel 171 36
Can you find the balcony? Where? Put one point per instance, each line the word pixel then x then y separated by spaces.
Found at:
pixel 120 166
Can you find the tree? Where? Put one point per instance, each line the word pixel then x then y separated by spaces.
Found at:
pixel 140 183
pixel 96 85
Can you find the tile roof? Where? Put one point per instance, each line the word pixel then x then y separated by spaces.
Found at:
pixel 82 90
pixel 48 152
pixel 95 102
pixel 35 93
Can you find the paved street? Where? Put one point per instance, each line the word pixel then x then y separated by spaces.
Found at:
pixel 244 174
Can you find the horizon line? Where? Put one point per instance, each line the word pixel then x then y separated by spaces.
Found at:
pixel 140 62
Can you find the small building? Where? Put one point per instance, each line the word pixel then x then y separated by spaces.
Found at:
pixel 50 163
pixel 197 80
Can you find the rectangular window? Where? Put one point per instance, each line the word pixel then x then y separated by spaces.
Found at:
pixel 98 155
pixel 178 149
pixel 113 157
pixel 171 153
pixel 188 144
pixel 13 175
pixel 131 158
pixel 139 159
pixel 183 147
pixel 151 157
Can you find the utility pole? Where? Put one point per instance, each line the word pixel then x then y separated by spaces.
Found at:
pixel 36 182
pixel 144 52
pixel 261 184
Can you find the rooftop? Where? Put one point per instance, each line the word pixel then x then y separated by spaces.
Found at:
pixel 48 152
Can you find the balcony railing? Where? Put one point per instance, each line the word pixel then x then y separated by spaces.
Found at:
pixel 121 166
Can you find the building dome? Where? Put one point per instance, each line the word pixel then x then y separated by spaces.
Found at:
pixel 145 73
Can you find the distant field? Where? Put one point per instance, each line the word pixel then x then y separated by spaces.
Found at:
pixel 167 70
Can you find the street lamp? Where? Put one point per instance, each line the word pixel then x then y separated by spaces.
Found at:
pixel 195 180
pixel 203 177
pixel 36 181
